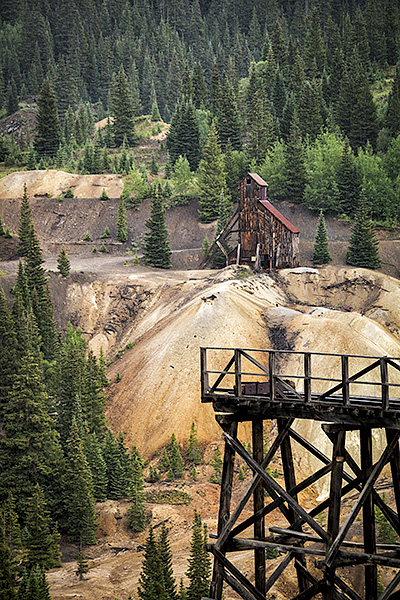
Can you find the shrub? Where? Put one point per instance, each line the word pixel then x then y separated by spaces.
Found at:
pixel 104 249
pixel 69 193
pixel 104 195
pixel 87 238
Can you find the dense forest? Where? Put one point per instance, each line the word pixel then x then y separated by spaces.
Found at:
pixel 305 92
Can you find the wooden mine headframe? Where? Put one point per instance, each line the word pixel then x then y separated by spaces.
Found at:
pixel 254 386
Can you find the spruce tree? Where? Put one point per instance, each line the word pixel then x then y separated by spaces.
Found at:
pixel 156 250
pixel 199 568
pixel 295 169
pixel 193 453
pixel 78 515
pixel 348 181
pixel 212 177
pixel 151 581
pixel 321 254
pixel 43 541
pixel 7 573
pixel 175 459
pixel 25 224
pixel 8 351
pixel 165 554
pixel 136 513
pixel 122 230
pixel 98 467
pixel 122 110
pixel 29 446
pixel 82 565
pixel 363 250
pixel 63 264
pixel 11 529
pixel 48 129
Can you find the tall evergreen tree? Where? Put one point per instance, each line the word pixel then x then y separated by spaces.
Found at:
pixel 295 169
pixel 7 574
pixel 42 541
pixel 193 453
pixel 25 224
pixel 48 128
pixel 151 580
pixel 321 255
pixel 165 554
pixel 8 352
pixel 78 514
pixel 30 453
pixel 156 245
pixel 363 250
pixel 199 562
pixel 136 513
pixel 212 177
pixel 175 459
pixel 348 181
pixel 63 264
pixel 122 230
pixel 122 110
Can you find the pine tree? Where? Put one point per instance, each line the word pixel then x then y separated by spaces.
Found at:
pixel 29 445
pixel 165 554
pixel 164 462
pixel 25 224
pixel 63 264
pixel 98 467
pixel 348 181
pixel 78 513
pixel 175 459
pixel 212 177
pixel 8 351
pixel 321 254
pixel 393 107
pixel 151 581
pixel 136 513
pixel 199 568
pixel 42 542
pixel 363 250
pixel 156 244
pixel 11 529
pixel 295 169
pixel 216 463
pixel 82 565
pixel 122 110
pixel 193 453
pixel 7 573
pixel 48 129
pixel 122 230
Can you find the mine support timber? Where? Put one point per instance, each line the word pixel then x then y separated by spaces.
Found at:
pixel 256 386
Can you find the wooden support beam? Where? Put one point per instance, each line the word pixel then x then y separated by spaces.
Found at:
pixel 278 571
pixel 235 572
pixel 385 383
pixel 251 487
pixel 272 485
pixel 307 377
pixel 258 503
pixel 277 503
pixel 371 575
pixel 343 586
pixel 375 472
pixel 224 511
pixel 391 587
pixel 345 380
pixel 395 469
pixel 290 484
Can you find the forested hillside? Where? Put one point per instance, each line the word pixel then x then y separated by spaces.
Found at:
pixel 306 92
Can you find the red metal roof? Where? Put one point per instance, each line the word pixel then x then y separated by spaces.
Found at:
pixel 258 179
pixel 279 215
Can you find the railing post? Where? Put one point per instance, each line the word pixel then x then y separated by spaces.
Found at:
pixel 345 380
pixel 385 383
pixel 203 372
pixel 238 372
pixel 307 376
pixel 271 366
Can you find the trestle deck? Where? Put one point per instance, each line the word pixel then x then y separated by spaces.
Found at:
pixel 346 392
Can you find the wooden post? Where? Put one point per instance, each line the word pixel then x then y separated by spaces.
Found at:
pixel 335 502
pixel 371 576
pixel 203 371
pixel 271 367
pixel 395 468
pixel 290 483
pixel 238 372
pixel 238 254
pixel 345 380
pixel 224 509
pixel 258 501
pixel 307 377
pixel 384 380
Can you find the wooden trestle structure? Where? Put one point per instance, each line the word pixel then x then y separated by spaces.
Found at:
pixel 254 386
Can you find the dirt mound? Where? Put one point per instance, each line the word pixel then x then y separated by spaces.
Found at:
pixel 52 183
